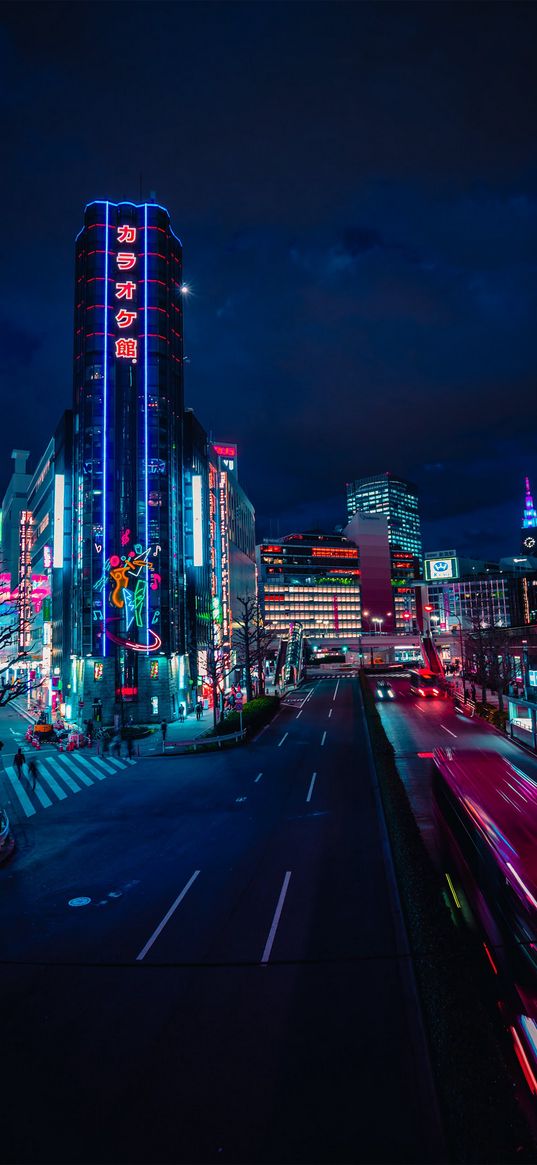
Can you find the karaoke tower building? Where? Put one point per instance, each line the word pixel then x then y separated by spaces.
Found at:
pixel 128 655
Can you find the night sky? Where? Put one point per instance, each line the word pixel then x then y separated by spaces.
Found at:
pixel 355 186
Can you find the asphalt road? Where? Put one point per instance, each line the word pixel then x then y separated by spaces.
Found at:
pixel 416 725
pixel 235 988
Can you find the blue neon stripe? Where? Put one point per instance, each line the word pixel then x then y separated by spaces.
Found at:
pixel 105 416
pixel 146 423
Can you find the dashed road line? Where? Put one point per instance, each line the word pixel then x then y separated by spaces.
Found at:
pixel 310 790
pixel 258 778
pixel 335 693
pixel 277 915
pixel 323 740
pixel 330 713
pixel 449 730
pixel 282 740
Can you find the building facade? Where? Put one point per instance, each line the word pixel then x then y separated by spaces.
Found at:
pixel 398 500
pixel 129 624
pixel 528 536
pixel 312 580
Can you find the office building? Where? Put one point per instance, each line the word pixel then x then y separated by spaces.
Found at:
pixel 398 500
pixel 129 617
pixel 311 579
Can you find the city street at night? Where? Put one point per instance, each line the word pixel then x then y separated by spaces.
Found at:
pixel 229 987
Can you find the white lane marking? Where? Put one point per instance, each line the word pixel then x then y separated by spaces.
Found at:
pixel 299 714
pixel 167 917
pixel 94 772
pixel 24 799
pixel 335 693
pixel 52 784
pixel 258 778
pixel 112 763
pixel 330 713
pixel 310 790
pixel 449 730
pixel 63 760
pixel 282 740
pixel 272 933
pixel 49 760
pixel 41 795
pixel 323 740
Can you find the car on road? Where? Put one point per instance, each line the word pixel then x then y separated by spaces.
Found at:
pixel 384 690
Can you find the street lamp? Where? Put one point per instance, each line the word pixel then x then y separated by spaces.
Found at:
pixel 456 619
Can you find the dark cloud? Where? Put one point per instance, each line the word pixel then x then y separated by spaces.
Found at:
pixel 356 190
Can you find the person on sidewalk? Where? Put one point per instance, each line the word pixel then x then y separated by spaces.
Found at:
pixel 199 710
pixel 181 713
pixel 19 760
pixel 164 729
pixel 130 746
pixel 33 772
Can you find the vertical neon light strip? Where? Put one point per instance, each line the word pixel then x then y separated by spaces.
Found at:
pixel 146 424
pixel 105 416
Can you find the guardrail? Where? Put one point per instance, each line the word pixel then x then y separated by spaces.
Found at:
pixel 200 742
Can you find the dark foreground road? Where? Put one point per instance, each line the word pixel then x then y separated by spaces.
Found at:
pixel 236 988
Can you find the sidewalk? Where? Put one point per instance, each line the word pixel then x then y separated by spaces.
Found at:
pixel 455 685
pixel 177 733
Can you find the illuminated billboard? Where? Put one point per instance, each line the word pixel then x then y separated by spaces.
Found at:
pixel 442 569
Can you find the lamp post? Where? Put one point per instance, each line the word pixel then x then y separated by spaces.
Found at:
pixel 376 619
pixel 457 619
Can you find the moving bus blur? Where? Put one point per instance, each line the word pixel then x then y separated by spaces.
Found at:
pixel 425 683
pixel 486 813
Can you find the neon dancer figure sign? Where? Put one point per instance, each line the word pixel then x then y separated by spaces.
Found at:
pixel 131 575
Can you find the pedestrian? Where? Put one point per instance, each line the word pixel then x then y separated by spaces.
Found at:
pixel 164 729
pixel 130 746
pixel 181 713
pixel 106 743
pixel 33 771
pixel 19 761
pixel 198 711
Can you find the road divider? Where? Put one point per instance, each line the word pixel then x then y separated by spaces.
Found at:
pixel 167 917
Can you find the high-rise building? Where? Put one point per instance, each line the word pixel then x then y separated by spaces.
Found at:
pixel 128 642
pixel 528 537
pixel 398 500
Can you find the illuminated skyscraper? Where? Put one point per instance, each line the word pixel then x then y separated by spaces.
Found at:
pixel 129 583
pixel 528 541
pixel 398 500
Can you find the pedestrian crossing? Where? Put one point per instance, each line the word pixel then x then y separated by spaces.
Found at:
pixel 60 775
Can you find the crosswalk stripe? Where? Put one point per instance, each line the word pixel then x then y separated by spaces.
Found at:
pixel 41 795
pixel 23 797
pixel 94 772
pixel 54 763
pixel 114 760
pixel 107 765
pixel 81 776
pixel 52 784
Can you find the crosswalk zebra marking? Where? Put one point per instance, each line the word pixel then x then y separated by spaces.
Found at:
pixel 108 765
pixel 64 776
pixel 21 793
pixel 41 795
pixel 63 760
pixel 114 760
pixel 96 773
pixel 53 784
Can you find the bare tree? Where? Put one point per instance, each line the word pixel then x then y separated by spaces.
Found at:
pixel 218 669
pixel 486 651
pixel 14 650
pixel 252 641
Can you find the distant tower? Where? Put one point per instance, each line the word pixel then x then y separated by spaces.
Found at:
pixel 529 524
